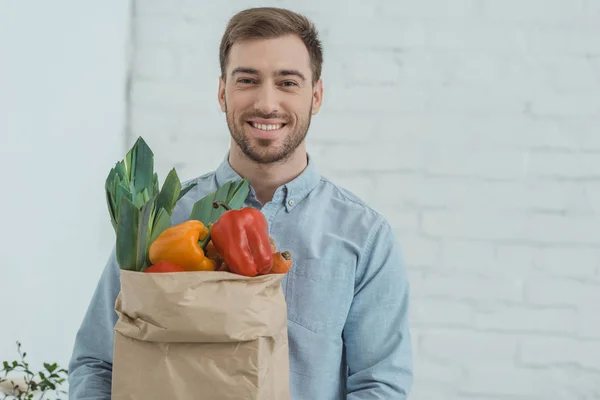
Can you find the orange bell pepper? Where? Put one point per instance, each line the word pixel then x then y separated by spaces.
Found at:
pixel 179 245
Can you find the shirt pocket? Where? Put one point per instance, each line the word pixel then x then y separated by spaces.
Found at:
pixel 319 293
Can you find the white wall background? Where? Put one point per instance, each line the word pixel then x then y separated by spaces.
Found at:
pixel 473 125
pixel 62 99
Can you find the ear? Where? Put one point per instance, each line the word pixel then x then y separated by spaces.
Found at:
pixel 221 93
pixel 317 98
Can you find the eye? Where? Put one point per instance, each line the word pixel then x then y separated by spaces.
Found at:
pixel 245 81
pixel 289 83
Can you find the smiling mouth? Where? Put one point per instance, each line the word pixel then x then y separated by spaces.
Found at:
pixel 266 127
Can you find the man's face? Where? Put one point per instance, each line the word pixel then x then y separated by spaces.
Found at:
pixel 268 97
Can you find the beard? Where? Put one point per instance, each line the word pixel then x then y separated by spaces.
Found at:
pixel 264 151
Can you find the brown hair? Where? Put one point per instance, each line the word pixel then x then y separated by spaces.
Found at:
pixel 271 22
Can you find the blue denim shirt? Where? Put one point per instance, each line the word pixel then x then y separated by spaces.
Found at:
pixel 347 295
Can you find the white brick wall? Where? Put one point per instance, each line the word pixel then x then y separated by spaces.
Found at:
pixel 474 126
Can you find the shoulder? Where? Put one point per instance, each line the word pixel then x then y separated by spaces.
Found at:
pixel 371 235
pixel 351 205
pixel 353 217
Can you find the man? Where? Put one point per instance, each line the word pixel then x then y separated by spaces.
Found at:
pixel 347 291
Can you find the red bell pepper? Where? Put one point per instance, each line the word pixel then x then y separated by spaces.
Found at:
pixel 164 266
pixel 241 237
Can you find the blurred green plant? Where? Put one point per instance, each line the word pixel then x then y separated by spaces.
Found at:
pixel 27 385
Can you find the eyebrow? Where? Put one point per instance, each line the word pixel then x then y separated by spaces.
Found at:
pixel 281 72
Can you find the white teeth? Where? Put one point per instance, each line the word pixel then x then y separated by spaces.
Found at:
pixel 265 127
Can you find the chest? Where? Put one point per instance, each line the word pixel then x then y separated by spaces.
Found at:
pixel 319 287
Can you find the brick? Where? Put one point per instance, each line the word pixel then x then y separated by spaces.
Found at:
pixel 461 194
pixel 402 220
pixel 427 391
pixel 566 40
pixel 438 374
pixel 429 9
pixel 567 75
pixel 374 100
pixel 535 228
pixel 592 194
pixel 564 165
pixel 514 259
pixel 389 34
pixel 480 163
pixel 371 67
pixel 373 158
pixel 532 11
pixel 467 286
pixel 466 348
pixel 588 323
pixel 553 351
pixel 465 100
pixel 418 250
pixel 472 35
pixel 442 313
pixel 507 381
pixel 567 262
pixel 464 256
pixel 554 103
pixel 333 128
pixel 519 319
pixel 488 132
pixel 562 292
pixel 584 129
pixel 473 225
pixel 559 229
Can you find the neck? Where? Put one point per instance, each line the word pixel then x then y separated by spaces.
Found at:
pixel 266 178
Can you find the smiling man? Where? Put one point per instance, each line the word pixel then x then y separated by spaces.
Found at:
pixel 347 292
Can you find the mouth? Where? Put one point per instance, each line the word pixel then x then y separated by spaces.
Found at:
pixel 266 127
pixel 266 131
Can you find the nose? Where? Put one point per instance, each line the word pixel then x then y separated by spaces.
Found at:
pixel 266 100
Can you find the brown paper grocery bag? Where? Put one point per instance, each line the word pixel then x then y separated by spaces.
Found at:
pixel 200 335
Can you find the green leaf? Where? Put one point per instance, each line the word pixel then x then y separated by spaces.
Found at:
pixel 169 193
pixel 111 210
pixel 155 185
pixel 203 210
pixel 230 192
pixel 121 170
pixel 122 190
pixel 127 234
pixel 141 198
pixel 162 222
pixel 237 199
pixel 142 165
pixel 185 190
pixel 144 234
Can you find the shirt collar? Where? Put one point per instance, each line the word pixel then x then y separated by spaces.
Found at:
pixel 292 193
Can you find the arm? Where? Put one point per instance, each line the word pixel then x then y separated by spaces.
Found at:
pixel 90 367
pixel 376 334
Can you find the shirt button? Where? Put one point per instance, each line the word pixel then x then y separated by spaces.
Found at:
pixel 291 202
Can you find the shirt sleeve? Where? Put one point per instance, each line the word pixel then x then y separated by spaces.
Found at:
pixel 90 366
pixel 376 334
